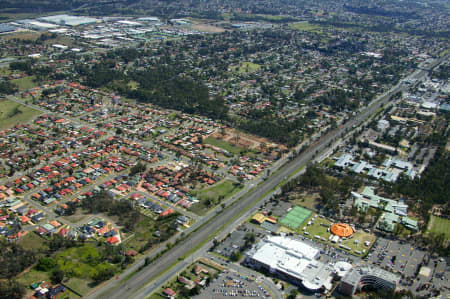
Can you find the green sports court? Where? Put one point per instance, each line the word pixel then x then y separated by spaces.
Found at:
pixel 295 217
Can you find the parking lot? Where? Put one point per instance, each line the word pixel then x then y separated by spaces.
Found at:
pixel 396 257
pixel 233 284
pixel 236 239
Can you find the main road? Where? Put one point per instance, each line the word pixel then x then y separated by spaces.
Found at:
pixel 138 285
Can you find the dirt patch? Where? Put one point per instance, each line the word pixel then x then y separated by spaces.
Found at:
pixel 246 141
pixel 23 35
pixel 208 28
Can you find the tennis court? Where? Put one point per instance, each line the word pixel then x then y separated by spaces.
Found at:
pixel 295 217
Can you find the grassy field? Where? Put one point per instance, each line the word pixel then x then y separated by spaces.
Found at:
pixel 309 201
pixel 12 114
pixel 223 189
pixel 133 85
pixel 4 71
pixel 306 26
pixel 33 276
pixel 81 261
pixel 143 233
pixel 224 145
pixel 439 225
pixel 33 241
pixel 79 285
pixel 246 67
pixel 355 243
pixel 25 83
pixel 328 162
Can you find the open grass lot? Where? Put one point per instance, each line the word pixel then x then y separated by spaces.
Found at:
pixel 4 71
pixel 156 296
pixel 307 200
pixel 79 285
pixel 439 225
pixel 81 261
pixel 224 145
pixel 10 116
pixel 320 228
pixel 211 195
pixel 32 276
pixel 328 162
pixel 25 83
pixel 246 67
pixel 306 26
pixel 145 229
pixel 33 241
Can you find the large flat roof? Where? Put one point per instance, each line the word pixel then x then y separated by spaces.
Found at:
pixel 69 20
pixel 295 258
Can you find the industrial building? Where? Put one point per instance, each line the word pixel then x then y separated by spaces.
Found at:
pixel 368 276
pixel 66 20
pixel 6 28
pixel 291 260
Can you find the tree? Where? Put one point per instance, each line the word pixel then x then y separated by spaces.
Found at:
pixel 236 256
pixel 103 274
pixel 292 294
pixel 11 289
pixel 139 167
pixel 46 264
pixel 57 276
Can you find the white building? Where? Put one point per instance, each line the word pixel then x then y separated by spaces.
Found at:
pixel 292 260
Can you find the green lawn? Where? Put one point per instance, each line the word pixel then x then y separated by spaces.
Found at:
pixel 81 261
pixel 309 201
pixel 4 71
pixel 361 237
pixel 79 285
pixel 12 113
pixel 328 162
pixel 133 84
pixel 33 276
pixel 439 225
pixel 224 145
pixel 246 67
pixel 212 194
pixel 25 83
pixel 317 229
pixel 306 26
pixel 33 241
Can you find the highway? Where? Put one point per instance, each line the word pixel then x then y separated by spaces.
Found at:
pixel 140 285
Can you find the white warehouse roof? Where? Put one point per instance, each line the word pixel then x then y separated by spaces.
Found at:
pixel 295 258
